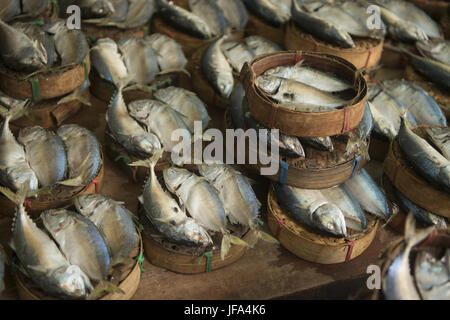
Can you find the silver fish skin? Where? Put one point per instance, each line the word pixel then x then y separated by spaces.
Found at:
pixel 237 54
pixel 108 62
pixel 437 49
pixel 45 153
pixel 15 108
pixel 95 8
pixel 342 197
pixel 18 51
pixel 9 9
pixel 139 12
pixel 399 283
pixel 428 162
pixel 127 131
pixel 140 60
pixel 187 103
pixel 34 7
pixel 168 52
pixel 423 108
pixel 441 139
pixel 310 208
pixel 368 194
pixel 260 45
pixel 164 213
pixel 80 242
pixel 432 276
pixel 357 139
pixel 360 14
pixel 114 222
pixel 15 172
pixel 318 79
pixel 321 143
pixel 83 151
pixel 409 12
pixel 298 96
pixel 120 10
pixel 216 68
pixel 2 272
pixel 319 27
pixel 159 119
pixel 71 45
pixel 211 13
pixel 235 13
pixel 44 262
pixel 237 110
pixel 185 20
pixel 273 12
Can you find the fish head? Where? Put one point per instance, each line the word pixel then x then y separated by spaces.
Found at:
pixel 268 84
pixel 210 171
pixel 225 83
pixel 414 32
pixel 72 281
pixel 331 218
pixel 86 204
pixel 56 220
pixel 102 8
pixel 175 177
pixel 146 143
pixel 198 234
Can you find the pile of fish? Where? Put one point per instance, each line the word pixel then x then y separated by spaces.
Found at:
pixel 335 22
pixel 205 19
pixel 29 47
pixel 429 279
pixel 391 99
pixel 135 61
pixel 220 194
pixel 145 126
pixel 335 210
pixel 273 12
pixel 19 9
pixel 40 158
pixel 223 59
pixel 73 254
pixel 123 14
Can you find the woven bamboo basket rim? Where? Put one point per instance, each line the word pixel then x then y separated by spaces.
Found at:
pixel 304 124
pixel 257 26
pixel 19 85
pixel 94 32
pixel 415 188
pixel 129 284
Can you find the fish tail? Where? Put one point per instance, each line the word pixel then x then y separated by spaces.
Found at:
pixel 76 95
pixel 227 240
pixel 17 198
pixel 258 234
pixel 412 236
pixel 149 163
pixel 80 179
pixel 102 288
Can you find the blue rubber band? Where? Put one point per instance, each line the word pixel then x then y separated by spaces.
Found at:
pixel 355 165
pixel 283 172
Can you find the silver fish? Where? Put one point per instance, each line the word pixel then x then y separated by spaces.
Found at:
pixel 437 49
pixel 15 108
pixel 45 153
pixel 165 214
pixel 120 10
pixel 235 13
pixel 432 276
pixel 321 143
pixel 342 197
pixel 298 96
pixel 80 241
pixel 108 62
pixel 9 9
pixel 357 139
pixel 187 103
pixel 114 222
pixel 216 68
pixel 202 203
pixel 273 12
pixel 360 14
pixel 184 19
pixel 15 172
pixel 237 54
pixel 34 7
pixel 139 12
pixel 260 45
pixel 168 52
pixel 140 60
pixel 83 154
pixel 210 12
pixel 19 52
pixel 368 194
pixel 399 283
pixel 127 131
pixel 312 209
pixel 441 139
pixel 237 110
pixel 44 262
pixel 95 8
pixel 434 167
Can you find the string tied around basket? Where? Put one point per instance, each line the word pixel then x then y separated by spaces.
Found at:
pixel 350 245
pixel 27 204
pixel 208 255
pixel 34 82
pixel 369 55
pixel 281 223
pixel 95 183
pixel 140 259
pixel 284 166
pixel 355 165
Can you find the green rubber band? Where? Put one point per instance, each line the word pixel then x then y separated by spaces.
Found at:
pixel 145 29
pixel 35 88
pixel 140 259
pixel 126 159
pixel 38 22
pixel 56 4
pixel 86 71
pixel 91 37
pixel 260 222
pixel 208 255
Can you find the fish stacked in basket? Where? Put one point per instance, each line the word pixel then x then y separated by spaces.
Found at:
pixel 44 72
pixel 323 206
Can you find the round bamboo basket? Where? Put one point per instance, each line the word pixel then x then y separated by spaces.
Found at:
pixel 130 277
pixel 411 184
pixel 49 84
pixel 366 54
pixel 311 246
pixel 94 32
pixel 184 259
pixel 258 27
pixel 394 59
pixel 59 197
pixel 304 124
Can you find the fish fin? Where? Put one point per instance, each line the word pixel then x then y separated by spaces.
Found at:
pixel 412 236
pixel 18 197
pixel 172 70
pixel 266 237
pixel 150 163
pixel 141 199
pixel 104 287
pixel 38 268
pixel 79 180
pixel 75 95
pixel 225 246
